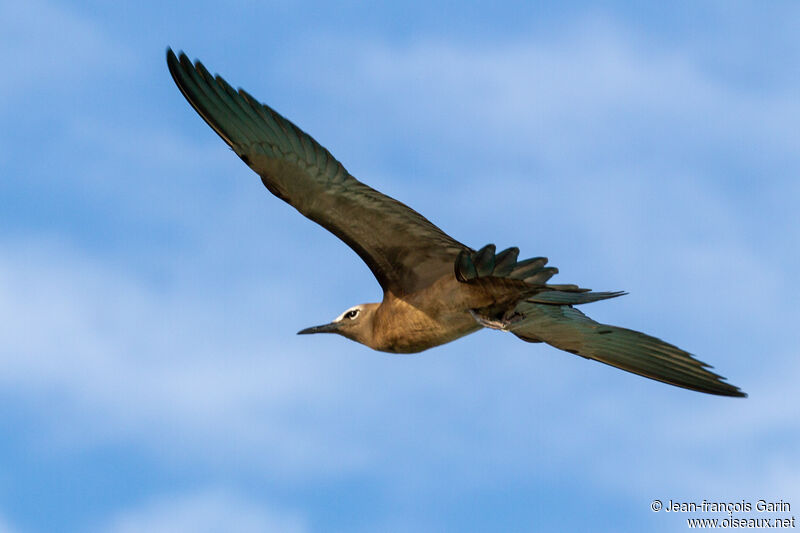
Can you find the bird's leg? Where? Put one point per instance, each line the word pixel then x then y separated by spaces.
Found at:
pixel 502 322
pixel 487 322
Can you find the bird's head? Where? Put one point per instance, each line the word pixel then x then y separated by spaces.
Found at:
pixel 355 324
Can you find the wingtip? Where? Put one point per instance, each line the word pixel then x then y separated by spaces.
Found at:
pixel 739 393
pixel 736 394
pixel 174 62
pixel 171 56
pixel 727 389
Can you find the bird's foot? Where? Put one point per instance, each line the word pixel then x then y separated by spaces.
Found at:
pixel 502 324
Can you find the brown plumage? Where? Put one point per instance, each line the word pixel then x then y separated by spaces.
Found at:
pixel 435 288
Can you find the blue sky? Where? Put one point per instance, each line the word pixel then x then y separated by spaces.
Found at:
pixel 151 288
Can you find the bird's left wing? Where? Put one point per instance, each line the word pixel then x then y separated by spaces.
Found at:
pixel 403 249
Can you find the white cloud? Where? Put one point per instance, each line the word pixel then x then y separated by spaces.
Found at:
pixel 158 365
pixel 586 95
pixel 211 511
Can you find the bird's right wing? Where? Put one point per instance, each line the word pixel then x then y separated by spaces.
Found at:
pixel 568 329
pixel 403 249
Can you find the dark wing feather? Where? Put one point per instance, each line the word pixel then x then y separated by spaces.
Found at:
pixel 568 329
pixel 403 249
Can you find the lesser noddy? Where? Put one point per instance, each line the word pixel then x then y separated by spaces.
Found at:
pixel 435 289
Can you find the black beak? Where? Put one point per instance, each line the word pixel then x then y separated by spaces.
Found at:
pixel 333 327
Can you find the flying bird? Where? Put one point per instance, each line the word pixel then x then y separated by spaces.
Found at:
pixel 435 289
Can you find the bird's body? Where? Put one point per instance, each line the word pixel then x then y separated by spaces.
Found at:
pixel 420 322
pixel 432 316
pixel 436 289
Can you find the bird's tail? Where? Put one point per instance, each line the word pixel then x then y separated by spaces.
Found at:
pixel 568 329
pixel 480 266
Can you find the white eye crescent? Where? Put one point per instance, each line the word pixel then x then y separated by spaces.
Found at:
pixel 350 314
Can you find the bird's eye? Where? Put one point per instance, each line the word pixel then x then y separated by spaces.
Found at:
pixel 351 314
